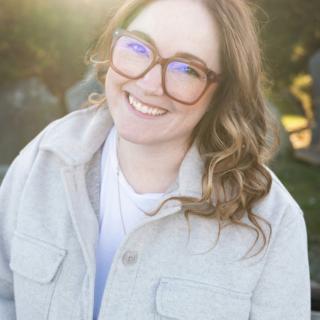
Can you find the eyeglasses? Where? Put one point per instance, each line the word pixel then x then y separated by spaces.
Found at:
pixel 183 79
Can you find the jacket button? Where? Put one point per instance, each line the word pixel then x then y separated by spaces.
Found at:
pixel 129 257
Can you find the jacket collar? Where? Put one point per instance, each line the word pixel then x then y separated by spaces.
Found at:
pixel 77 140
pixel 78 137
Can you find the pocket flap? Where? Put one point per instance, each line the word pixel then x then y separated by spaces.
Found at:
pixel 191 300
pixel 35 259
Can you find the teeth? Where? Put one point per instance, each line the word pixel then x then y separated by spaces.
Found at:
pixel 145 109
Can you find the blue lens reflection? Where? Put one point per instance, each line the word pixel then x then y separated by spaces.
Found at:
pixel 184 68
pixel 138 48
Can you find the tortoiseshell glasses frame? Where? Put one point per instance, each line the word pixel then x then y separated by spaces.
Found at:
pixel 210 75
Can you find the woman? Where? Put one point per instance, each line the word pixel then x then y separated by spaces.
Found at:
pixel 147 204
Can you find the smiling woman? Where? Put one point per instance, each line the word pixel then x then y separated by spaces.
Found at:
pixel 146 204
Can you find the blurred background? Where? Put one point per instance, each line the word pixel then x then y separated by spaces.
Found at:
pixel 43 77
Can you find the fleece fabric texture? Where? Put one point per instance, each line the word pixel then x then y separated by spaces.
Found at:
pixel 49 213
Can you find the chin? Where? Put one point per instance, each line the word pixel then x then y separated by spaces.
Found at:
pixel 136 136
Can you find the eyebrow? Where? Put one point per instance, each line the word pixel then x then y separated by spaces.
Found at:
pixel 181 54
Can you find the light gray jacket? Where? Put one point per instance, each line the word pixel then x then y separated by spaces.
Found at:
pixel 49 205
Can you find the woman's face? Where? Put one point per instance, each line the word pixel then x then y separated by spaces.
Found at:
pixel 174 26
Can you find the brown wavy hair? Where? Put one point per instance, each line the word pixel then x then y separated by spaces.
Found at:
pixel 238 136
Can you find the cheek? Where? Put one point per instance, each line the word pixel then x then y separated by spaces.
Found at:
pixel 113 83
pixel 186 118
pixel 192 114
pixel 205 103
pixel 196 111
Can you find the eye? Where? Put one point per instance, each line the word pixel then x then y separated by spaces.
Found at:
pixel 138 48
pixel 191 71
pixel 184 68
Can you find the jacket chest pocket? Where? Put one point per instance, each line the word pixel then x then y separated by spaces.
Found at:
pixel 184 299
pixel 36 266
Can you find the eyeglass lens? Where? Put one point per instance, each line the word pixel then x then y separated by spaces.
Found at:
pixel 183 81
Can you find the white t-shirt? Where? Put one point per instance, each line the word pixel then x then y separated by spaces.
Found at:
pixel 111 230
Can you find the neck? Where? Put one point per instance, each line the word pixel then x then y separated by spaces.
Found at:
pixel 150 168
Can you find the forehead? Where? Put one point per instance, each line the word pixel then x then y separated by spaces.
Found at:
pixel 180 26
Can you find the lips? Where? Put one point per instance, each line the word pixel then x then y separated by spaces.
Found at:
pixel 145 108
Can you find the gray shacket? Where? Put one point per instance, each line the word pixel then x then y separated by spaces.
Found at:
pixel 49 203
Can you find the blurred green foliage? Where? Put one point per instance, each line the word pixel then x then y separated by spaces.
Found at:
pixel 46 39
pixel 303 182
pixel 49 38
pixel 290 35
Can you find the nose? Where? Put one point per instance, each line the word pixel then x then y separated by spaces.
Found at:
pixel 151 82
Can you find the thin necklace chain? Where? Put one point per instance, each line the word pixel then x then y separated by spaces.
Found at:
pixel 118 187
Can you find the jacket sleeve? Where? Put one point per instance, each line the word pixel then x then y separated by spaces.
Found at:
pixel 283 290
pixel 11 190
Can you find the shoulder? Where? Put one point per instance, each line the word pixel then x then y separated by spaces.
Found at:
pixel 59 126
pixel 62 127
pixel 75 137
pixel 279 207
pixel 280 194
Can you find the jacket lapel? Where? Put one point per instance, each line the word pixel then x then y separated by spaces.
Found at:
pixel 77 140
pixel 79 144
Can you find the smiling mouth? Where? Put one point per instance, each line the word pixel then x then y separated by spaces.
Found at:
pixel 143 108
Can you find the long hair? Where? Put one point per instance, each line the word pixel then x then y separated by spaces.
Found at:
pixel 238 136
